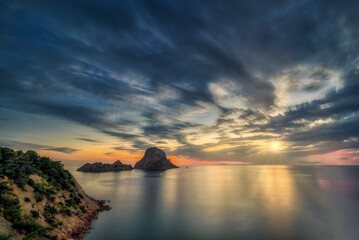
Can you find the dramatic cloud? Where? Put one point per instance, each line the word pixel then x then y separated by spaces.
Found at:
pixel 29 146
pixel 63 150
pixel 245 81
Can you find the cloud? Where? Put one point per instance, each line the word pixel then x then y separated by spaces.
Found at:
pixel 173 73
pixel 121 148
pixel 21 145
pixel 110 154
pixel 88 140
pixel 218 148
pixel 308 162
pixel 62 150
pixel 121 135
pixel 32 146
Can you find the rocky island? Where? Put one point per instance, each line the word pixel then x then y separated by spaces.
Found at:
pixel 104 167
pixel 39 199
pixel 154 159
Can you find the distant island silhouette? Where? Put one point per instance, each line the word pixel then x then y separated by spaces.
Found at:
pixel 154 159
pixel 104 167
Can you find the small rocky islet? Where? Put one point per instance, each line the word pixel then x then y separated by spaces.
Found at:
pixel 104 167
pixel 39 199
pixel 154 159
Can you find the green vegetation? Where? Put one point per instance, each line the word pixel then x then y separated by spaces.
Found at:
pixel 10 209
pixel 7 236
pixel 34 214
pixel 64 209
pixel 43 189
pixel 83 209
pixel 39 197
pixel 17 166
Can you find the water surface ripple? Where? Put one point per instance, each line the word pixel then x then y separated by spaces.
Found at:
pixel 226 202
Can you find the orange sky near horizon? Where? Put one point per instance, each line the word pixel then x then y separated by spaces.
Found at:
pixel 128 158
pixel 332 158
pixel 260 88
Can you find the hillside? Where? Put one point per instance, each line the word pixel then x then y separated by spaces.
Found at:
pixel 39 199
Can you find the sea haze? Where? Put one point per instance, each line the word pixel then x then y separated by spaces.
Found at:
pixel 226 202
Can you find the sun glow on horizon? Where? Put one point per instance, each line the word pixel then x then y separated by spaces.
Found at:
pixel 276 146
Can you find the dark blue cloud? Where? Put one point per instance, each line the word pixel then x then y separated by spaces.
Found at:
pixel 115 66
pixel 62 150
pixel 29 146
pixel 88 140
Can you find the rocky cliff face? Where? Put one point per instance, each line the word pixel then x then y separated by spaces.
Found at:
pixel 39 199
pixel 100 167
pixel 154 159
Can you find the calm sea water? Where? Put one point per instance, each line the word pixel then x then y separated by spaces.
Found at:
pixel 226 202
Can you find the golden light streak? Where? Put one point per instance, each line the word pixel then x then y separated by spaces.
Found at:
pixel 219 147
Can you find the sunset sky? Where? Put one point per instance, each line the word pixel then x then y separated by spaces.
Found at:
pixel 262 82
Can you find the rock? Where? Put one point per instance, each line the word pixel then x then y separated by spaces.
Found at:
pixel 154 159
pixel 101 167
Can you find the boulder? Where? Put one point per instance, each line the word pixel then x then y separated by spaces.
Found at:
pixel 154 159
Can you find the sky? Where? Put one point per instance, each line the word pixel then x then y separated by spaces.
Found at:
pixel 209 82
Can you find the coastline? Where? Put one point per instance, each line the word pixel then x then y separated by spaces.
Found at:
pixel 71 225
pixel 80 229
pixel 75 227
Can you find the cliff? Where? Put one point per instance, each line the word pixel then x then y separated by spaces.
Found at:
pixel 39 199
pixel 154 159
pixel 100 167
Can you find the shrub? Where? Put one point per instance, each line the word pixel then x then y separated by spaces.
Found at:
pixel 51 198
pixel 34 214
pixel 17 166
pixel 7 236
pixel 39 197
pixel 8 153
pixel 70 202
pixel 65 211
pixel 51 209
pixel 77 200
pixel 51 221
pixel 31 182
pixel 83 209
pixel 5 187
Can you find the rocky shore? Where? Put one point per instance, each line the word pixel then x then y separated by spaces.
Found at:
pixel 42 200
pixel 80 230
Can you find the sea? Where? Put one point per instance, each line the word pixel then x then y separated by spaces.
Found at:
pixel 225 202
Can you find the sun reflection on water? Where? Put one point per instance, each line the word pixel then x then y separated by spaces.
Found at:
pixel 227 202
